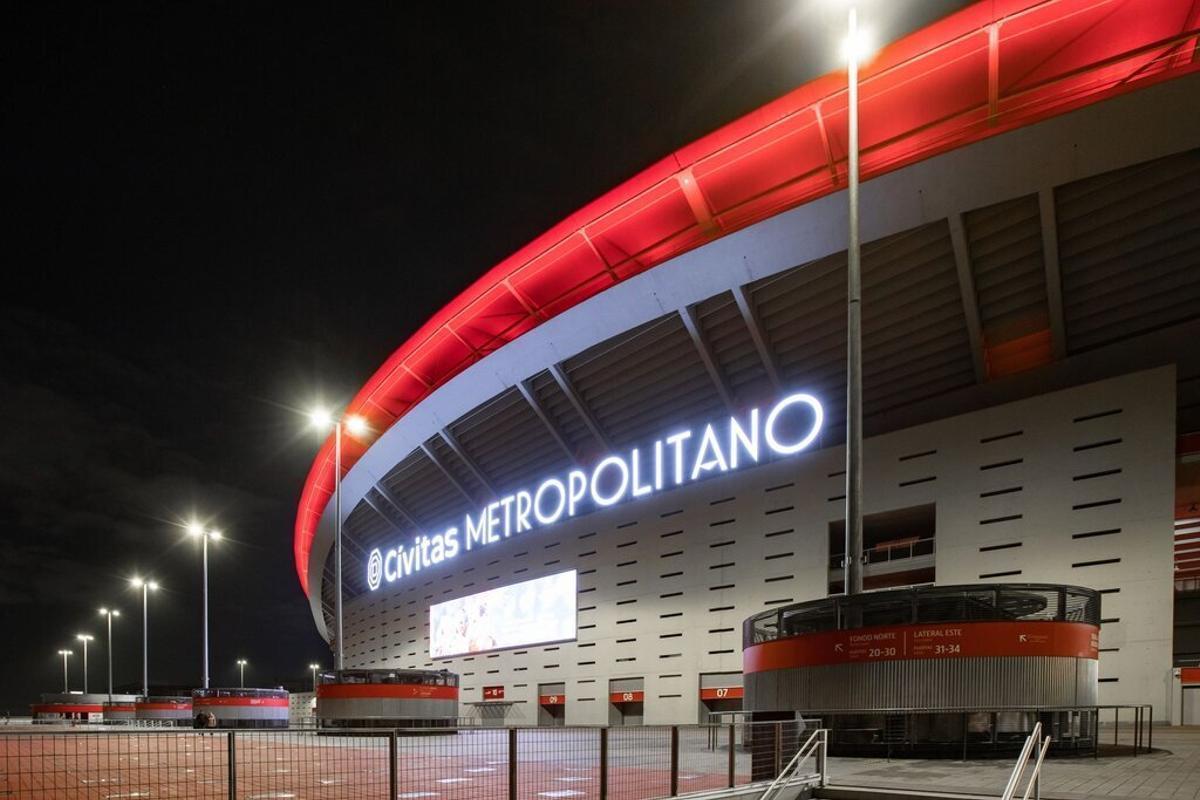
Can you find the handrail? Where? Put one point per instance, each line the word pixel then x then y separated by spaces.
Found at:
pixel 1034 740
pixel 817 741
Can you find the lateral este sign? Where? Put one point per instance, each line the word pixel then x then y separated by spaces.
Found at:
pixel 790 426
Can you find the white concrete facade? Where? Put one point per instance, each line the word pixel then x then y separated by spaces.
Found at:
pixel 1079 484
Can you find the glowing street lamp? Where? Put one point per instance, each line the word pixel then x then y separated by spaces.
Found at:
pixel 322 419
pixel 314 668
pixel 196 530
pixel 241 662
pixel 64 654
pixel 85 638
pixel 146 587
pixel 110 613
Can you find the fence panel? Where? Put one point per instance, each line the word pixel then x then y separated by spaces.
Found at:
pixel 639 763
pixel 558 763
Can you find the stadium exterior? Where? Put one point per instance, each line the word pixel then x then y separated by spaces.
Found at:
pixel 1031 224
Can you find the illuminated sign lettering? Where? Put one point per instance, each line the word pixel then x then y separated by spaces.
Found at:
pixel 789 427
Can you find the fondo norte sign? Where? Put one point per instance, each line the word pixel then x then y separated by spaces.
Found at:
pixel 788 427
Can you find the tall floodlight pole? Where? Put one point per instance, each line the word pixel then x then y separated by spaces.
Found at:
pixel 85 638
pixel 314 667
pixel 64 654
pixel 854 543
pixel 197 530
pixel 241 662
pixel 356 425
pixel 110 613
pixel 146 587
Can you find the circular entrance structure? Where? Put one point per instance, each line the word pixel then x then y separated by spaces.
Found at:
pixel 242 708
pixel 407 698
pixel 929 668
pixel 164 710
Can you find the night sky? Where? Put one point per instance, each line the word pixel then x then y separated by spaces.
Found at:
pixel 222 213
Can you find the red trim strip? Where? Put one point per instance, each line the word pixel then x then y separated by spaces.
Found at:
pixel 552 699
pixel 162 706
pixel 396 691
pixel 63 708
pixel 722 693
pixel 908 642
pixel 984 70
pixel 245 702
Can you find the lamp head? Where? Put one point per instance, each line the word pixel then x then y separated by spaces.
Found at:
pixel 356 425
pixel 320 418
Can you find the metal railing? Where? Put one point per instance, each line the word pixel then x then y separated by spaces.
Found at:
pixel 883 553
pixel 816 747
pixel 1034 744
pixel 583 763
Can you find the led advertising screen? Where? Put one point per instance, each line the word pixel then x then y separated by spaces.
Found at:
pixel 531 612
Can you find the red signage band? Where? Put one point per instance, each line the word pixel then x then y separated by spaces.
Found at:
pixel 63 708
pixel 626 697
pixel 1189 676
pixel 931 641
pixel 268 702
pixel 493 693
pixel 390 691
pixel 551 699
pixel 722 693
pixel 163 706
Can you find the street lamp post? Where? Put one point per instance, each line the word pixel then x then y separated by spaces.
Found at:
pixel 146 587
pixel 356 425
pixel 198 530
pixel 241 662
pixel 64 654
pixel 85 638
pixel 314 668
pixel 854 484
pixel 110 613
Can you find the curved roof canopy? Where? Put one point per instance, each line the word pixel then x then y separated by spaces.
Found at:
pixel 992 67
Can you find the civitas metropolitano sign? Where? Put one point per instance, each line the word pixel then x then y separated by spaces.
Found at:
pixel 788 427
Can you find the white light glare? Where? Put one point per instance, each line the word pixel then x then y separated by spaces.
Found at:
pixel 356 425
pixel 861 49
pixel 320 418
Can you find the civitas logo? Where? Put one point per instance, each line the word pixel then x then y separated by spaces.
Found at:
pixel 374 569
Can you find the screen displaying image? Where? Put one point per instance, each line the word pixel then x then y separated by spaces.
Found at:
pixel 531 612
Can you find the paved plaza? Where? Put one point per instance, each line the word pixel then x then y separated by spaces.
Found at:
pixel 1171 772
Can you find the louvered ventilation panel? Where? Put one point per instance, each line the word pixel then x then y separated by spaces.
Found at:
pixel 1129 247
pixel 638 384
pixel 367 528
pixel 507 441
pixel 1007 262
pixel 463 475
pixel 803 316
pixel 721 324
pixel 424 491
pixel 915 342
pixel 562 414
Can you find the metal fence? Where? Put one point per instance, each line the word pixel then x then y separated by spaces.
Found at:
pixel 580 763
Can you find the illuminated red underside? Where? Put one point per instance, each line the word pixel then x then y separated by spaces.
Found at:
pixel 992 67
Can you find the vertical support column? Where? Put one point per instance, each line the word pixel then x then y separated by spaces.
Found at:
pixel 778 726
pixel 674 760
pixel 732 758
pixel 1116 725
pixel 822 752
pixel 1150 730
pixel 512 764
pixel 393 783
pixel 604 764
pixel 231 763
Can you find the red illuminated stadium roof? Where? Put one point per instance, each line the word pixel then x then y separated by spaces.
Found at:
pixel 992 67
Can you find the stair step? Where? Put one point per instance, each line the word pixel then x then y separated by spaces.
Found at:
pixel 876 793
